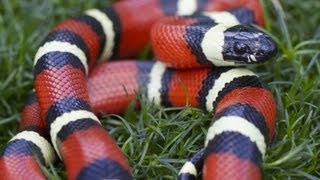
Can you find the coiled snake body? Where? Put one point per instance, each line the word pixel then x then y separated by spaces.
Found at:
pixel 66 102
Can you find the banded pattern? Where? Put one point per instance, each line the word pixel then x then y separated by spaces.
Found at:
pixel 185 7
pixel 35 140
pixel 70 51
pixel 26 150
pixel 198 41
pixel 21 157
pixel 204 87
pixel 73 46
pixel 108 26
pixel 192 167
pixel 239 133
pixel 175 89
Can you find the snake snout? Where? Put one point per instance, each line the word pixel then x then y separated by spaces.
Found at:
pixel 268 48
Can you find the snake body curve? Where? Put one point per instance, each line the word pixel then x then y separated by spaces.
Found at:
pixel 68 110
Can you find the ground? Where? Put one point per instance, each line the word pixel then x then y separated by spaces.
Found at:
pixel 158 140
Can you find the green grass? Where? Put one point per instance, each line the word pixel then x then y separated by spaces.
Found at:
pixel 156 140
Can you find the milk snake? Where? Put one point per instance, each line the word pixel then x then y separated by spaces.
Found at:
pixel 65 103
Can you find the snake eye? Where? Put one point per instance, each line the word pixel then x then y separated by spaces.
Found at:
pixel 240 48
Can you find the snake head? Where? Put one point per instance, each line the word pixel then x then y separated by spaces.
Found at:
pixel 247 45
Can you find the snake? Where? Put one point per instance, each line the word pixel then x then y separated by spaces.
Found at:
pixel 200 47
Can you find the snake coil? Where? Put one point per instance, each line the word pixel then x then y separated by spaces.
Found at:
pixel 70 90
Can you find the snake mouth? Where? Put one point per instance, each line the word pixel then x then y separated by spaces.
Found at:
pixel 250 59
pixel 237 63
